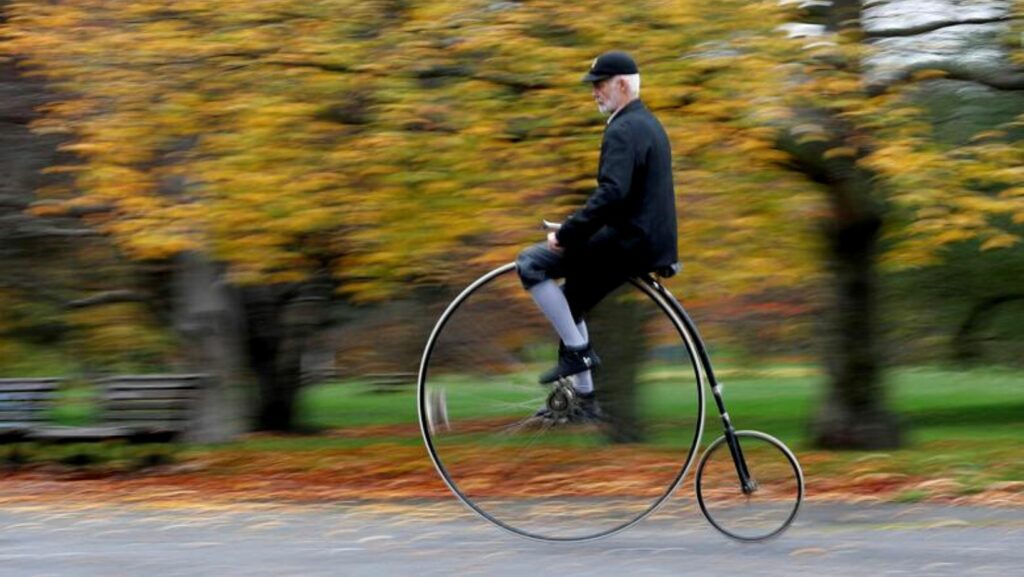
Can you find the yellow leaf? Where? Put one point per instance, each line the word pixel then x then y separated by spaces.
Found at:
pixel 929 74
pixel 1000 241
pixel 954 235
pixel 839 152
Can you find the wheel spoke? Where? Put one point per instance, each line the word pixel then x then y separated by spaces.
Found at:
pixel 541 478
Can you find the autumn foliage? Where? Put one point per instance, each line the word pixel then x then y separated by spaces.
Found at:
pixel 396 140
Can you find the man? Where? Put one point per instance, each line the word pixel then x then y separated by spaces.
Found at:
pixel 626 227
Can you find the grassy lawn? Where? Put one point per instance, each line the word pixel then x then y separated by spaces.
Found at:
pixel 963 429
pixel 936 404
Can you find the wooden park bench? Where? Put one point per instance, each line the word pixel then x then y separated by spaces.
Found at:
pixel 142 408
pixel 25 405
pixel 154 407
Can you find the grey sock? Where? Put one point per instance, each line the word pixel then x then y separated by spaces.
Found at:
pixel 552 303
pixel 582 328
pixel 583 382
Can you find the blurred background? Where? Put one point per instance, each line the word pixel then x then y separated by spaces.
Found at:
pixel 282 196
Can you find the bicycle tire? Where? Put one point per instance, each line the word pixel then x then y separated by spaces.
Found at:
pixel 780 480
pixel 435 412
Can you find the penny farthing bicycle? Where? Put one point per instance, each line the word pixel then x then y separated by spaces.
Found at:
pixel 549 478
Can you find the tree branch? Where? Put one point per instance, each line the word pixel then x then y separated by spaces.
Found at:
pixel 52 231
pixel 35 289
pixel 1009 80
pixel 108 297
pixel 14 201
pixel 88 209
pixel 519 84
pixel 932 27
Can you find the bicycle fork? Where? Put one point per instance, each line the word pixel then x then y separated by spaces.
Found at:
pixel 747 483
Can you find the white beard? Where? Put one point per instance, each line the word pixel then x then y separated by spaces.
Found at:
pixel 609 106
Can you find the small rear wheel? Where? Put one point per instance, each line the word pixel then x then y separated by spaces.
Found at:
pixel 769 504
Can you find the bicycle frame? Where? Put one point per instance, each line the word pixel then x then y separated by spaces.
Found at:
pixel 699 361
pixel 747 484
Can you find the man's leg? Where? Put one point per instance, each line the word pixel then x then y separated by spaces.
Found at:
pixel 549 297
pixel 538 266
pixel 584 288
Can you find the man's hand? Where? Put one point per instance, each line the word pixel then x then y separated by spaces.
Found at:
pixel 553 242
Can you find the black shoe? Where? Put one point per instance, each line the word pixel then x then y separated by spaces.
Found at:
pixel 571 361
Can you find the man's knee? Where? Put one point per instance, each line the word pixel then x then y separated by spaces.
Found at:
pixel 530 266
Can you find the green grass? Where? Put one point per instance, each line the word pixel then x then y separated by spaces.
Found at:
pixel 936 404
pixel 354 404
pixel 962 427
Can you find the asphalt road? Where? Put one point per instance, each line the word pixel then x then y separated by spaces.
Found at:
pixel 421 540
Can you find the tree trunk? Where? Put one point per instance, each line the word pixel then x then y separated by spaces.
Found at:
pixel 207 317
pixel 281 323
pixel 852 414
pixel 616 329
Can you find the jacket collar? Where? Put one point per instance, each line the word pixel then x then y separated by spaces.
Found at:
pixel 634 105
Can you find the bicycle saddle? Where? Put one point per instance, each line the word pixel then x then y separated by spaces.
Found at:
pixel 668 271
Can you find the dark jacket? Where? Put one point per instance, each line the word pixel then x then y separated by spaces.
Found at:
pixel 635 198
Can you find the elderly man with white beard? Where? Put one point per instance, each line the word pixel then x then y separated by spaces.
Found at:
pixel 626 227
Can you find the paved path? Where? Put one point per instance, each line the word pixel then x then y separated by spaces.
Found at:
pixel 445 539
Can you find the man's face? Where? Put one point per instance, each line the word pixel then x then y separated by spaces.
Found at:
pixel 608 94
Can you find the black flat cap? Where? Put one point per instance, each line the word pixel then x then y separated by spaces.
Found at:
pixel 610 64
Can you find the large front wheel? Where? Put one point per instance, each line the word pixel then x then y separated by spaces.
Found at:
pixel 550 477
